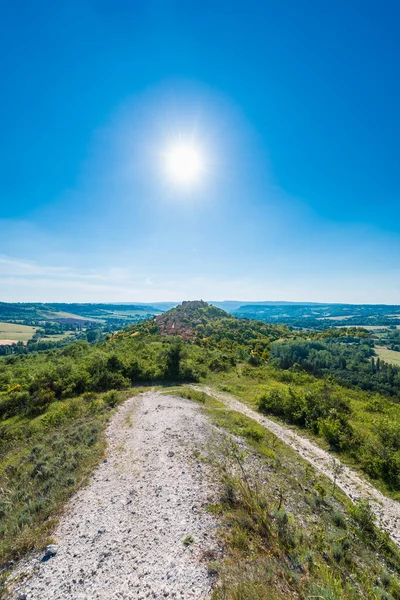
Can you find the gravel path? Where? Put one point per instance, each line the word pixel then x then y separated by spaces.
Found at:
pixel 122 535
pixel 387 511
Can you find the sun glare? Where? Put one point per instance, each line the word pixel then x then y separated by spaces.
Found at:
pixel 184 164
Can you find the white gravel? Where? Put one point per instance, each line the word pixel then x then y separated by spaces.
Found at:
pixel 122 535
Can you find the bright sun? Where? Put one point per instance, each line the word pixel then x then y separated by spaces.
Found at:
pixel 183 163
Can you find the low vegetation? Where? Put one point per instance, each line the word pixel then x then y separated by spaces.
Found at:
pixel 362 428
pixel 54 404
pixel 288 533
pixel 44 458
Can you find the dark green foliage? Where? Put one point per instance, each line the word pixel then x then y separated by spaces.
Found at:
pixel 320 410
pixel 241 337
pixel 391 339
pixel 381 457
pixel 111 398
pixel 326 412
pixel 337 551
pixel 35 345
pixel 173 360
pixel 349 360
pixel 29 384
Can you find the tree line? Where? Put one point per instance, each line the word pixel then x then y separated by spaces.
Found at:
pixel 351 361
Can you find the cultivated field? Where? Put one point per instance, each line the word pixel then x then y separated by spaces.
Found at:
pixel 57 337
pixel 62 315
pixel 389 356
pixel 367 327
pixel 338 318
pixel 16 332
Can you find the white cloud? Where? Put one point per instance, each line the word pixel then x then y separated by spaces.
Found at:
pixel 28 281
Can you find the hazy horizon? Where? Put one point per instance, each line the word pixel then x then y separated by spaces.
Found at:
pixel 156 303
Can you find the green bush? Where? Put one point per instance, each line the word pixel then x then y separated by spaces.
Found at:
pixel 339 520
pixel 112 398
pixel 363 515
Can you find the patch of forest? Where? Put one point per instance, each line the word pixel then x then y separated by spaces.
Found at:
pixel 350 360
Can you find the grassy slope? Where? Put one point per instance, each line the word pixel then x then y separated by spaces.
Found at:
pixel 285 535
pixel 248 384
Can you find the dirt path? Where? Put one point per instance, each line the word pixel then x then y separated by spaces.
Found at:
pixel 387 511
pixel 122 535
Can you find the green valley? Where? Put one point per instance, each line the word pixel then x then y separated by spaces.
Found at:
pixel 329 384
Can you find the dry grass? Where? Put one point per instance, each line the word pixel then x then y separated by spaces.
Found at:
pixel 14 331
pixel 286 537
pixel 389 356
pixel 43 461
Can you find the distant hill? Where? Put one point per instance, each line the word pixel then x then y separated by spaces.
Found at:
pixel 314 315
pixel 115 316
pixel 211 327
pixel 34 312
pixel 184 319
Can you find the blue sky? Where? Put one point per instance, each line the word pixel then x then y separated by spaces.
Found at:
pixel 293 104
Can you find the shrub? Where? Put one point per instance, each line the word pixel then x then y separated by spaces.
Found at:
pixel 254 433
pixel 339 520
pixel 188 540
pixel 283 528
pixel 272 402
pixel 112 398
pixel 337 551
pixel 255 360
pixel 363 515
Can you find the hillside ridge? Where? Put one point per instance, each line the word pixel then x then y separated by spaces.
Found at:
pixel 184 319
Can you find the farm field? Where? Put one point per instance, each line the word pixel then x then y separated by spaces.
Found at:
pixel 63 315
pixel 375 328
pixel 389 356
pixel 14 331
pixel 338 318
pixel 59 336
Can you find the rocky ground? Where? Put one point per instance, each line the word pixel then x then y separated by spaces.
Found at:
pixel 139 529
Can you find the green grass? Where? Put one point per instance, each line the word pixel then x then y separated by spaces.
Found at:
pixel 389 356
pixel 14 331
pixel 285 536
pixel 58 336
pixel 369 412
pixel 43 461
